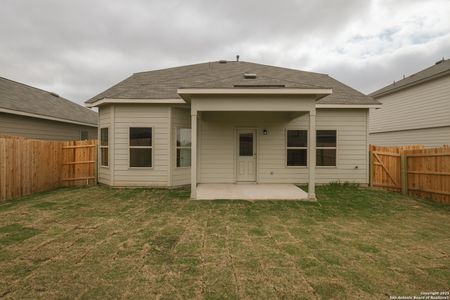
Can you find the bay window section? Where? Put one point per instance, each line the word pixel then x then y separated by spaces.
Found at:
pixel 297 147
pixel 326 148
pixel 183 147
pixel 141 147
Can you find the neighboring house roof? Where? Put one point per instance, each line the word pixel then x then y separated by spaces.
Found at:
pixel 23 99
pixel 439 69
pixel 163 84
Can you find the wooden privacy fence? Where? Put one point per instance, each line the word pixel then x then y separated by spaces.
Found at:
pixel 79 163
pixel 28 166
pixel 416 170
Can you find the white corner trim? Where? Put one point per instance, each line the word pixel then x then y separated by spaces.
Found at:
pixel 348 105
pixel 26 114
pixel 135 101
pixel 249 91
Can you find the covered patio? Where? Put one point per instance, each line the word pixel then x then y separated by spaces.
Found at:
pixel 241 174
pixel 268 191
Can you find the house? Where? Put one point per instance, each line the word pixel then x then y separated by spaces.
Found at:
pixel 228 122
pixel 34 113
pixel 415 110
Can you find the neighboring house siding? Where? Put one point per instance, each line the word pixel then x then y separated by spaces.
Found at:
pixel 422 106
pixel 135 115
pixel 430 137
pixel 104 117
pixel 218 142
pixel 36 128
pixel 180 118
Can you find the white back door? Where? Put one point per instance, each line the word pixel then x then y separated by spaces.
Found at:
pixel 246 155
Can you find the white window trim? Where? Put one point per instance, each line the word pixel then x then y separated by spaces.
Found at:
pixel 181 147
pixel 102 147
pixel 335 148
pixel 141 147
pixel 293 148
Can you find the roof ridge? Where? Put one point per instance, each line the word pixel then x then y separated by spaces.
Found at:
pixel 284 68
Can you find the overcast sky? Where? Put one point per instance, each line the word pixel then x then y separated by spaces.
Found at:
pixel 78 48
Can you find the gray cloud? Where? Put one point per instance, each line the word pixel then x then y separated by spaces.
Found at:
pixel 80 48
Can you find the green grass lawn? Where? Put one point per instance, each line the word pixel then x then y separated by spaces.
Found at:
pixel 151 243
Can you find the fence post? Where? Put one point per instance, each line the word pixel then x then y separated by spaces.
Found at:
pixel 96 156
pixel 371 168
pixel 404 173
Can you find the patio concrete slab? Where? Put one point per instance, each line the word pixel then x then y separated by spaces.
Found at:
pixel 250 192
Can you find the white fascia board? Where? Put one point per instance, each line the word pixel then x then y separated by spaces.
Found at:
pixel 135 101
pixel 250 91
pixel 26 114
pixel 348 105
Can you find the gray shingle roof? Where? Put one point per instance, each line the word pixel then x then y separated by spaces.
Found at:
pixel 163 84
pixel 439 69
pixel 24 98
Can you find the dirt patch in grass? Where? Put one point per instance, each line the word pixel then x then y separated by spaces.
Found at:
pixel 99 242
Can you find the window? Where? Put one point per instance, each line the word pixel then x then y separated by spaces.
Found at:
pixel 84 135
pixel 104 147
pixel 246 144
pixel 141 147
pixel 183 147
pixel 326 148
pixel 297 147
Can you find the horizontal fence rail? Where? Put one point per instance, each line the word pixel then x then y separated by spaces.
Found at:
pixel 416 170
pixel 28 166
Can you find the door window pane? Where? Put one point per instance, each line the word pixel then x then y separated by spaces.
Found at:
pixel 140 157
pixel 246 144
pixel 296 157
pixel 140 136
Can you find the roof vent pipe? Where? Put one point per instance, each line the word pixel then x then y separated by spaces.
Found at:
pixel 237 58
pixel 439 61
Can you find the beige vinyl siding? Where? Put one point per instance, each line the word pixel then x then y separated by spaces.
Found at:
pixel 141 115
pixel 36 128
pixel 218 143
pixel 104 119
pixel 422 106
pixel 429 137
pixel 352 145
pixel 180 118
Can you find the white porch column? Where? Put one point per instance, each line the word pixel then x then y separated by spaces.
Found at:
pixel 312 155
pixel 194 155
